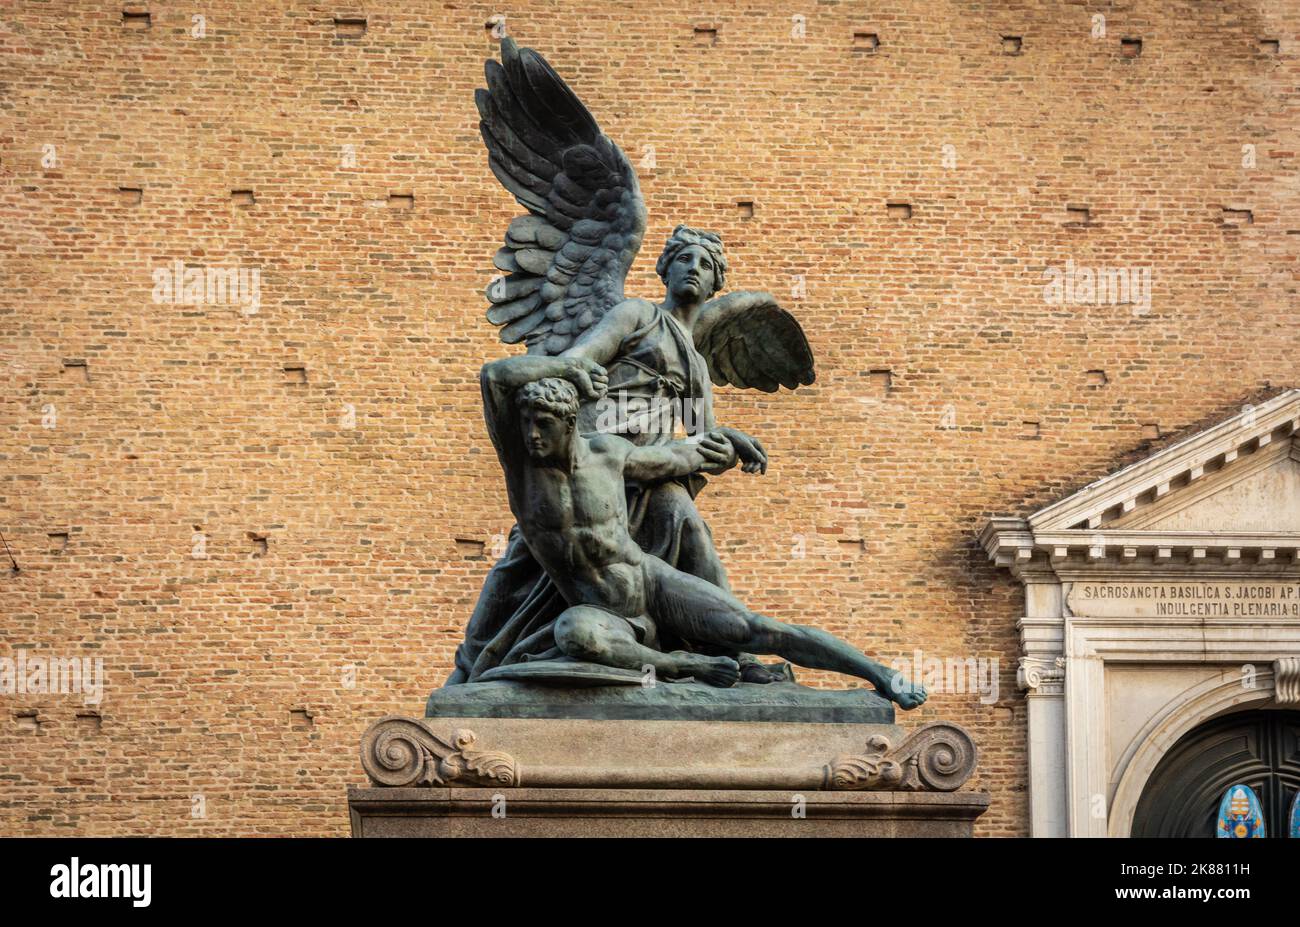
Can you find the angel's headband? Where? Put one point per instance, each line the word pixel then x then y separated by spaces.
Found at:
pixel 683 236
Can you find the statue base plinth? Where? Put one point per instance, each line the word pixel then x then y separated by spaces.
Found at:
pixel 518 697
pixel 480 776
pixel 524 812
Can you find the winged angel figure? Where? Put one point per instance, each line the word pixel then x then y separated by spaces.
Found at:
pixel 565 261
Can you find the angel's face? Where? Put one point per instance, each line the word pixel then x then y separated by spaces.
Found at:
pixel 690 274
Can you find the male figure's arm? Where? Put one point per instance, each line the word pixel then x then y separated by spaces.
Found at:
pixel 710 453
pixel 499 380
pixel 749 449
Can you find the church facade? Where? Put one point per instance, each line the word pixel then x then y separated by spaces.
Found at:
pixel 1160 645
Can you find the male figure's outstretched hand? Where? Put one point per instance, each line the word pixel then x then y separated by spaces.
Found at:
pixel 709 452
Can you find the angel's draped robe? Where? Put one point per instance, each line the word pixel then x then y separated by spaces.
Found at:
pixel 656 368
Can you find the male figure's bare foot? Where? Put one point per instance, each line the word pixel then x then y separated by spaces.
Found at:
pixel 907 695
pixel 722 672
pixel 751 670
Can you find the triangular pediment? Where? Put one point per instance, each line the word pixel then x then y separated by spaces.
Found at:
pixel 1241 475
pixel 1231 491
pixel 1262 495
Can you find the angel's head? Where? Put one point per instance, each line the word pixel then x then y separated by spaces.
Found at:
pixel 692 265
pixel 547 411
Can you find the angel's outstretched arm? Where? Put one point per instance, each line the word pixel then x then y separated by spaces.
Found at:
pixel 705 420
pixel 601 342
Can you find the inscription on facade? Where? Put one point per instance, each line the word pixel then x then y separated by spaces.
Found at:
pixel 1186 600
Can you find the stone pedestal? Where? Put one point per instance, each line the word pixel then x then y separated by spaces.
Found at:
pixel 439 812
pixel 494 776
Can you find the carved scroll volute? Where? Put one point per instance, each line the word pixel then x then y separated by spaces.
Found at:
pixel 398 752
pixel 938 757
pixel 870 770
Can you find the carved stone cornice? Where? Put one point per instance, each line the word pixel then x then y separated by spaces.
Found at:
pixel 1116 524
pixel 1176 469
pixel 397 752
pixel 938 757
pixel 1041 676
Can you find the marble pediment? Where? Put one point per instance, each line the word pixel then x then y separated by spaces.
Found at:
pixel 1228 494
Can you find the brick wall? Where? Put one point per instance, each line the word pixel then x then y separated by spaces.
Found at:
pixel 270 525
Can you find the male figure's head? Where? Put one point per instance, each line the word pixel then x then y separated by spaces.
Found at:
pixel 548 410
pixel 692 265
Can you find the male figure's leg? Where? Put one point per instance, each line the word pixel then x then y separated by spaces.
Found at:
pixel 700 611
pixel 586 632
pixel 672 529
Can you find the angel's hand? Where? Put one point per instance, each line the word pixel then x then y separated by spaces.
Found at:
pixel 750 450
pixel 719 454
pixel 589 377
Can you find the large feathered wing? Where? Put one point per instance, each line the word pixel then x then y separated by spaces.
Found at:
pixel 567 258
pixel 751 342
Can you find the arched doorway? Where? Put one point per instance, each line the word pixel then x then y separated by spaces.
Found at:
pixel 1260 748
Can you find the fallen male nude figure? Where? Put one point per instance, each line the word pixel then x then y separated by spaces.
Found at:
pixel 567 492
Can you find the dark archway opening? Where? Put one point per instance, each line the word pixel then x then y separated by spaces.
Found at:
pixel 1260 748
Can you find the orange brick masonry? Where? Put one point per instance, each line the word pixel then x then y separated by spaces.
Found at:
pixel 277 521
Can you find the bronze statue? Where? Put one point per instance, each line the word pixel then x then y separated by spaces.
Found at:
pixel 566 491
pixel 562 296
